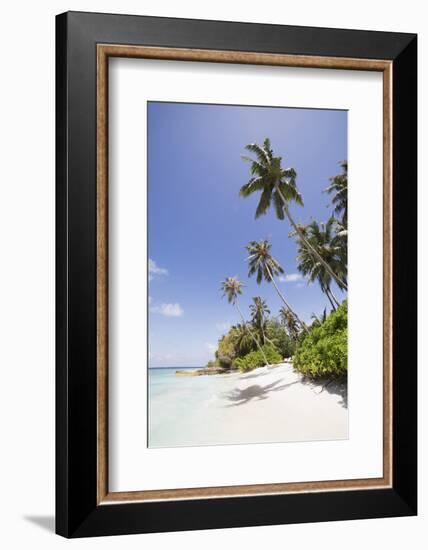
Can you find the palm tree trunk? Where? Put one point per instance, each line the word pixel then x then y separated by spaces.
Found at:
pixel 334 297
pixel 307 243
pixel 263 334
pixel 251 334
pixel 301 323
pixel 326 290
pixel 270 341
pixel 330 299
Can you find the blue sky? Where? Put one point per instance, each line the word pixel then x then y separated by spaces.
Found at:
pixel 198 225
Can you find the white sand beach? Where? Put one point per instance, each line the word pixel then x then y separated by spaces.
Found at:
pixel 269 404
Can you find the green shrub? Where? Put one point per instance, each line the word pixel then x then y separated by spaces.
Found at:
pixel 236 343
pixel 272 354
pixel 213 364
pixel 255 359
pixel 226 351
pixel 276 333
pixel 324 351
pixel 251 361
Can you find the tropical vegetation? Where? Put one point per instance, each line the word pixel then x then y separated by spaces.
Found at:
pixel 329 243
pixel 323 352
pixel 256 335
pixel 254 359
pixel 264 265
pixel 232 288
pixel 319 349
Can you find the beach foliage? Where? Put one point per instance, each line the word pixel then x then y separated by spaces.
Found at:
pixel 259 313
pixel 323 353
pixel 237 342
pixel 232 288
pixel 339 189
pixel 288 321
pixel 214 364
pixel 262 264
pixel 278 337
pixel 318 351
pixel 254 359
pixel 328 238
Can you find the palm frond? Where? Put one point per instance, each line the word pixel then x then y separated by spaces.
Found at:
pixel 260 153
pixel 279 206
pixel 264 203
pixel 254 184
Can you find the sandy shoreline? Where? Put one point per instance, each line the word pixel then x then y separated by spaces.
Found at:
pixel 269 404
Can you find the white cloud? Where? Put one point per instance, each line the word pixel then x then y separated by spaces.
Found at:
pixel 168 310
pixel 211 347
pixel 223 327
pixel 290 278
pixel 154 269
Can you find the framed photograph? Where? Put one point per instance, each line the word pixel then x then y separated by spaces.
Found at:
pixel 236 325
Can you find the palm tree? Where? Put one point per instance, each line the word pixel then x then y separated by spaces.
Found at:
pixel 330 247
pixel 244 343
pixel 232 288
pixel 341 243
pixel 316 320
pixel 259 311
pixel 290 323
pixel 277 185
pixel 339 187
pixel 261 262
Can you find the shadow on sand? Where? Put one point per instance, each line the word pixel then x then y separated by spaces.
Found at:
pixel 241 397
pixel 256 374
pixel 334 387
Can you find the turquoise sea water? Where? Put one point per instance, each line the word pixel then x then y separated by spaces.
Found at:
pixel 176 404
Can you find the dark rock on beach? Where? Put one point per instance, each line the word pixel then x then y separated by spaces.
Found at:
pixel 201 372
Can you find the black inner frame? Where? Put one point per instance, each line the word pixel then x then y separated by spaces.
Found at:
pixel 77 513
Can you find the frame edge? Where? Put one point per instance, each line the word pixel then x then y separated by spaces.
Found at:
pixel 405 273
pixel 61 267
pixel 101 520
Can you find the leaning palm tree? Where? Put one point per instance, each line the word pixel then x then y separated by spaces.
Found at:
pixel 290 323
pixel 339 188
pixel 232 288
pixel 259 312
pixel 266 267
pixel 277 185
pixel 330 246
